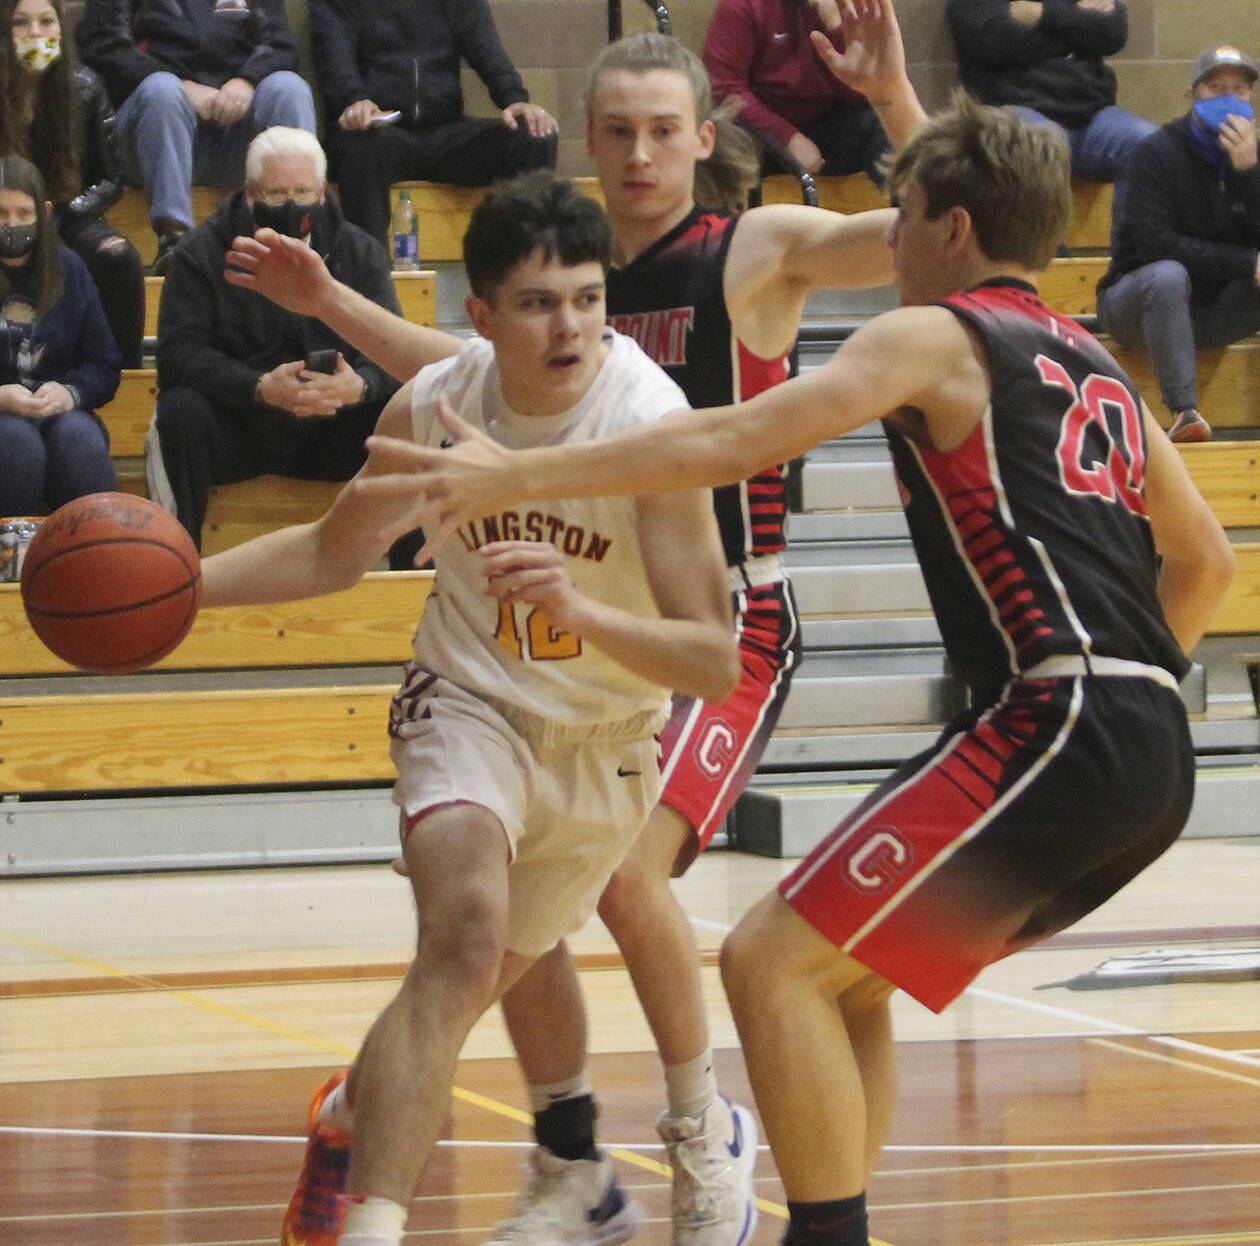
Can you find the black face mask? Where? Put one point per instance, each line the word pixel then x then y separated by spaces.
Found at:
pixel 17 241
pixel 293 219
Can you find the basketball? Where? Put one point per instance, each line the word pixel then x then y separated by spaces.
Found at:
pixel 111 583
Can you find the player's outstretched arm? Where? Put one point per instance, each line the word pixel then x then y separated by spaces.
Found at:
pixel 874 63
pixel 309 560
pixel 782 252
pixel 293 276
pixel 901 358
pixel 1197 560
pixel 691 646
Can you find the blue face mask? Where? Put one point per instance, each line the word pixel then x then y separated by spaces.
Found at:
pixel 1213 112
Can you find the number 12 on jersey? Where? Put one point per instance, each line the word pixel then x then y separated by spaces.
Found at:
pixel 540 640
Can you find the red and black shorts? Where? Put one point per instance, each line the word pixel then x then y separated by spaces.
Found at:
pixel 709 752
pixel 1014 825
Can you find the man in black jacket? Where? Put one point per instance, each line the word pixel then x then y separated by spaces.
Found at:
pixel 237 397
pixel 1185 267
pixel 389 74
pixel 1045 58
pixel 193 82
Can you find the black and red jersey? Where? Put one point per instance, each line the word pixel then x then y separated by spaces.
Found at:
pixel 1033 535
pixel 671 301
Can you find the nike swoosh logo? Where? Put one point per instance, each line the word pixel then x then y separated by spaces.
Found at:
pixel 622 774
pixel 736 1145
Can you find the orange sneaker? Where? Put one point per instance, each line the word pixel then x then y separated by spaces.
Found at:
pixel 317 1210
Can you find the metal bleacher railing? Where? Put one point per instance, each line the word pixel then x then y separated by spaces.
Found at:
pixel 659 10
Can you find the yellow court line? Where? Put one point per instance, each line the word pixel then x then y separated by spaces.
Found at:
pixel 322 1044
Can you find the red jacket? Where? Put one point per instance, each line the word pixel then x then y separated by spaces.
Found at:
pixel 759 52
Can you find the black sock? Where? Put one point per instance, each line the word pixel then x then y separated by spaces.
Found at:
pixel 838 1222
pixel 567 1128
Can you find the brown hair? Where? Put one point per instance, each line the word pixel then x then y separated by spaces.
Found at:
pixel 22 175
pixel 1014 179
pixel 55 135
pixel 724 179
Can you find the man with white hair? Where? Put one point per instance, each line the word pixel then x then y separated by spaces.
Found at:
pixel 247 388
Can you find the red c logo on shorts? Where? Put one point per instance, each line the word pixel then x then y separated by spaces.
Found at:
pixel 715 748
pixel 878 860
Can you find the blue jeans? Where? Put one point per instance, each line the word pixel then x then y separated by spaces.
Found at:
pixel 47 463
pixel 166 147
pixel 1101 148
pixel 1154 307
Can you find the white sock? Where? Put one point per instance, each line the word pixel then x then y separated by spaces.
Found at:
pixel 691 1087
pixel 336 1110
pixel 542 1097
pixel 373 1222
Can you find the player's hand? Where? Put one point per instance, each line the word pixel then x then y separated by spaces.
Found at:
pixel 538 121
pixel 232 101
pixel 533 573
pixel 285 270
pixel 442 486
pixel 1026 12
pixel 19 400
pixel 1238 140
pixel 358 116
pixel 343 388
pixel 873 60
pixel 204 99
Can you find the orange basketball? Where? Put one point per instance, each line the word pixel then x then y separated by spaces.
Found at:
pixel 111 583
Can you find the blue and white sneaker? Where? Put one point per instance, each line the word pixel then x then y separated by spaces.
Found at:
pixel 712 1159
pixel 569 1202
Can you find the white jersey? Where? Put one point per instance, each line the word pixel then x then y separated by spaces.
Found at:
pixel 514 655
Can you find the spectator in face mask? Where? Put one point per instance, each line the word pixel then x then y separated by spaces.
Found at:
pixel 241 394
pixel 58 360
pixel 60 119
pixel 1185 269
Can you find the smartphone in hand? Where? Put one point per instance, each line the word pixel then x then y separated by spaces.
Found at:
pixel 322 361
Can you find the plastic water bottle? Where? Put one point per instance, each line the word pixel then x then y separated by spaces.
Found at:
pixel 406 242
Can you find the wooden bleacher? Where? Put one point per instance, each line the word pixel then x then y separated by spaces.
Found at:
pixel 295 722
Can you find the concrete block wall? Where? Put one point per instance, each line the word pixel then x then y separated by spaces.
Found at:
pixel 552 42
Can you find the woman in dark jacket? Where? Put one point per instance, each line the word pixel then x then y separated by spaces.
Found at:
pixel 58 360
pixel 61 120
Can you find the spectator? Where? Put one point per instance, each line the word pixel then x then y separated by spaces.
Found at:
pixel 1045 58
pixel 193 82
pixel 758 54
pixel 389 74
pixel 237 398
pixel 60 118
pixel 58 360
pixel 1185 270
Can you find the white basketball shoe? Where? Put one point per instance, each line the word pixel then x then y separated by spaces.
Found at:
pixel 569 1202
pixel 712 1159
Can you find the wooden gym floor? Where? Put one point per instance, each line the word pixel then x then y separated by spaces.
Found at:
pixel 160 1036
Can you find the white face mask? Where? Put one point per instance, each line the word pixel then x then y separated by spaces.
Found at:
pixel 36 54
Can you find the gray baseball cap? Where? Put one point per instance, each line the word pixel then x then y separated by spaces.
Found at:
pixel 1220 56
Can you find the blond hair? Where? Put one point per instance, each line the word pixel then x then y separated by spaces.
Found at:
pixel 1013 179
